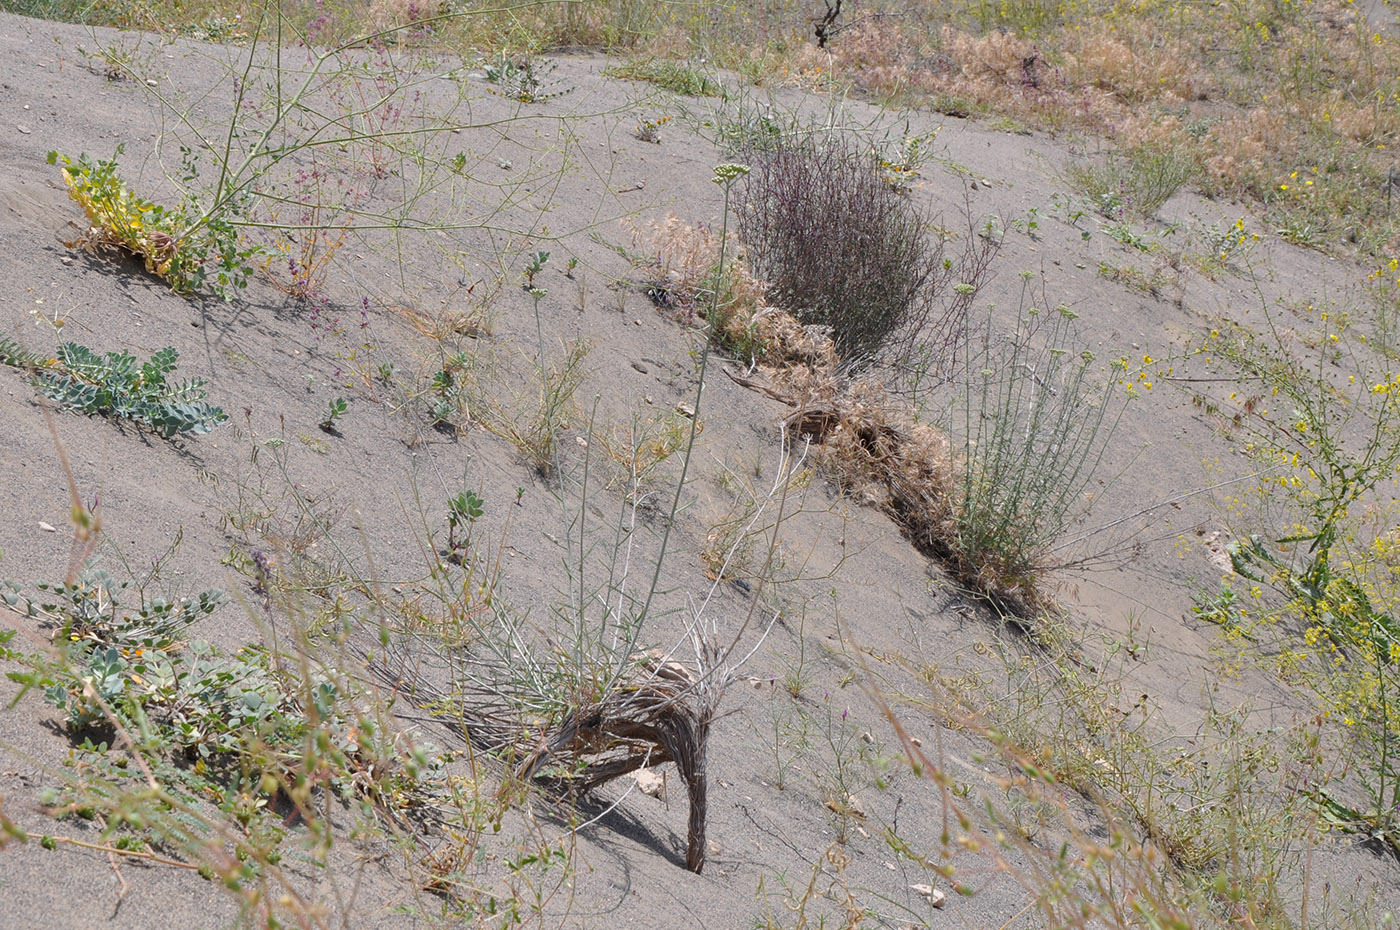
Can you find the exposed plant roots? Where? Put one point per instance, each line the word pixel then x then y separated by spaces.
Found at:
pixel 644 722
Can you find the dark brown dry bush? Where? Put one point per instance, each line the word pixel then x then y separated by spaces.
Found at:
pixel 841 248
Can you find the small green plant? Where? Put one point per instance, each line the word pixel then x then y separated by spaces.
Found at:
pixel 1124 233
pixel 901 158
pixel 115 385
pixel 525 79
pixel 181 245
pixel 1224 246
pixel 749 126
pixel 673 75
pixel 335 409
pixel 462 511
pixel 790 741
pixel 1030 225
pixel 1308 235
pixel 1135 185
pixel 447 391
pixel 1152 282
pixel 533 266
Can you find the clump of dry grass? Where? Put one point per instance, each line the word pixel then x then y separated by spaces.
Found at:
pixel 686 274
pixel 875 448
pixel 1136 65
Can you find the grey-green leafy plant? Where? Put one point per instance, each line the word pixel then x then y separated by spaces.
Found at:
pixel 1036 418
pixel 525 79
pixel 533 266
pixel 112 646
pixel 447 389
pixel 114 385
pixel 17 356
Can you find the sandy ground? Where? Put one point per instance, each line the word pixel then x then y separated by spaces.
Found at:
pixel 862 589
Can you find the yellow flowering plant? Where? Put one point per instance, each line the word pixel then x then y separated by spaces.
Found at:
pixel 1322 614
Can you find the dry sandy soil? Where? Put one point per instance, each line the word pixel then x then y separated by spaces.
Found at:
pixel 857 603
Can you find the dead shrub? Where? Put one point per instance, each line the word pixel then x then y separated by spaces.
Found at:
pixel 840 248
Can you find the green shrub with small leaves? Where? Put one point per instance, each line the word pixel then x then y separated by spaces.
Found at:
pixel 114 385
pixel 1035 419
pixel 675 76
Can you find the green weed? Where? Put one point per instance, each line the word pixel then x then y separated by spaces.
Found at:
pixel 187 247
pixel 672 75
pixel 1035 418
pixel 115 385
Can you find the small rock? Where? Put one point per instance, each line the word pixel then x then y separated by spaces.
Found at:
pixel 934 896
pixel 24 129
pixel 650 783
pixel 686 411
pixel 46 527
pixel 915 742
pixel 867 737
pixel 640 367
